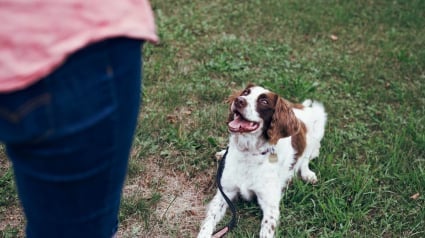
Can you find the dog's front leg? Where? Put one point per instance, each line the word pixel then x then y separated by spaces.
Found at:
pixel 269 203
pixel 216 210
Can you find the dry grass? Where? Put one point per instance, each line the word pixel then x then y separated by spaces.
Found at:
pixel 11 216
pixel 179 209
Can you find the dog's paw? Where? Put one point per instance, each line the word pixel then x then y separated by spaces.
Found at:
pixel 205 233
pixel 309 176
pixel 266 233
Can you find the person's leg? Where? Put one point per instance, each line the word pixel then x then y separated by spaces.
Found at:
pixel 69 137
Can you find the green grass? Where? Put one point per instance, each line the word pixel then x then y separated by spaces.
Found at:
pixel 371 80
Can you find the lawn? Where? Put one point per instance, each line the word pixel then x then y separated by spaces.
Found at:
pixel 365 60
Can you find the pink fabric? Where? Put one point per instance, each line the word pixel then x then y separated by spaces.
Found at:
pixel 36 36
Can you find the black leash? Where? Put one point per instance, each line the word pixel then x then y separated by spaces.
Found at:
pixel 232 223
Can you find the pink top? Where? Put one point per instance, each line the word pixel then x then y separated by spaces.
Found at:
pixel 37 35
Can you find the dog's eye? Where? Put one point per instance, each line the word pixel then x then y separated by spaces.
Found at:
pixel 245 92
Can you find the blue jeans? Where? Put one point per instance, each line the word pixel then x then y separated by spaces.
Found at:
pixel 69 137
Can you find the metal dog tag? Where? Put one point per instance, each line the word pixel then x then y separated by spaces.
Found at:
pixel 273 158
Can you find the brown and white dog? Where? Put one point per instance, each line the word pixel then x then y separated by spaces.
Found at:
pixel 271 139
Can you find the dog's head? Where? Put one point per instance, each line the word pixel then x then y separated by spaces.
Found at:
pixel 257 110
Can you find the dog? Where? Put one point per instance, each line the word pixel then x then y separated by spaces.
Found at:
pixel 271 139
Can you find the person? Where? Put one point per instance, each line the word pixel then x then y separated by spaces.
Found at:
pixel 70 86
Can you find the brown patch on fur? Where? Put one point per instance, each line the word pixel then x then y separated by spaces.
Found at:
pixel 284 123
pixel 297 106
pixel 238 93
pixel 299 140
pixel 266 112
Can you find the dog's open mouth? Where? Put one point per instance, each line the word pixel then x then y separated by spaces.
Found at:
pixel 240 124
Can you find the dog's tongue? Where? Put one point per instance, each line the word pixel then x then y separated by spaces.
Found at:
pixel 241 125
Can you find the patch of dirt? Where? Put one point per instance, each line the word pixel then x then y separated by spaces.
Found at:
pixel 11 216
pixel 181 207
pixel 178 213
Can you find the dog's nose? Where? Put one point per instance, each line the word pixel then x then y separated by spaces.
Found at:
pixel 240 102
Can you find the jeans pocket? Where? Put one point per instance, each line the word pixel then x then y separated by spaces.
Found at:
pixel 74 97
pixel 82 93
pixel 25 115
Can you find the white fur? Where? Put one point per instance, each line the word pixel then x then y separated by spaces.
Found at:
pixel 249 171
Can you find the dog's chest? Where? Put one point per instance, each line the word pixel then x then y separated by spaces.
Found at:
pixel 250 173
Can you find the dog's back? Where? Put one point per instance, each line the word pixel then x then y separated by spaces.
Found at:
pixel 314 117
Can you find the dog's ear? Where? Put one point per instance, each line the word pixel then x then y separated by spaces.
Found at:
pixel 233 96
pixel 250 85
pixel 284 123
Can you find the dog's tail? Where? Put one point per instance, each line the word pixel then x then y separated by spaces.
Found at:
pixel 316 123
pixel 320 117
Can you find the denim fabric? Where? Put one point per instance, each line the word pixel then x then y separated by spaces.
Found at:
pixel 69 137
